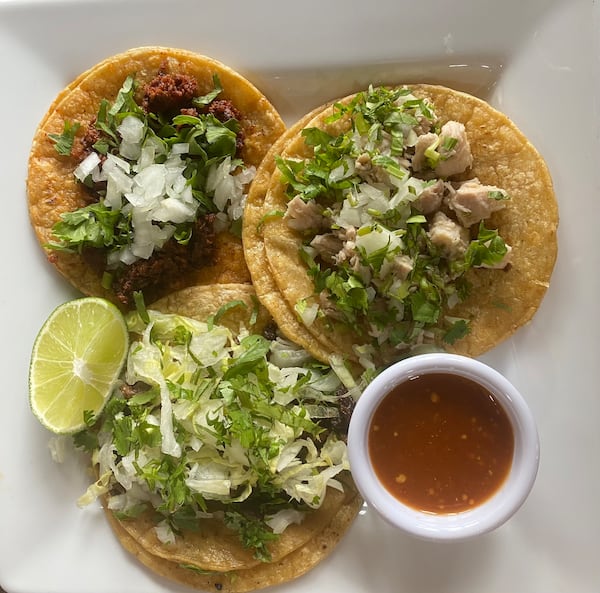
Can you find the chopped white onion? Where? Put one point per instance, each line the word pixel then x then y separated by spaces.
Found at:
pixel 180 148
pixel 173 210
pixel 131 129
pixel 151 182
pixel 86 166
pixel 112 161
pixel 159 192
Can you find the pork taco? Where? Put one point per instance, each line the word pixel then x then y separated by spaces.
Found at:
pixel 138 173
pixel 221 457
pixel 405 216
pixel 254 248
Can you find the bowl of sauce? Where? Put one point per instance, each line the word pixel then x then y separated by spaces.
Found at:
pixel 443 446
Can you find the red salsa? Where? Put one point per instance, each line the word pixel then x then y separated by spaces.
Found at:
pixel 441 443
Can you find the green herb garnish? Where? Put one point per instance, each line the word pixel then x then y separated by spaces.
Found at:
pixel 63 143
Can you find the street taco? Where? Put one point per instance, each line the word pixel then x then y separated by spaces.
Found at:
pixel 263 281
pixel 290 567
pixel 138 172
pixel 406 216
pixel 221 457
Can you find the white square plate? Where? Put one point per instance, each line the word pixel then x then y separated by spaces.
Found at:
pixel 536 60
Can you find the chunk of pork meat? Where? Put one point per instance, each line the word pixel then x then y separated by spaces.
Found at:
pixel 452 162
pixel 472 202
pixel 430 199
pixel 402 266
pixel 459 159
pixel 419 163
pixel 327 246
pixel 304 216
pixel 451 238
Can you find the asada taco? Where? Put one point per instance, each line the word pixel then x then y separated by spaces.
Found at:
pixel 290 567
pixel 404 216
pixel 221 457
pixel 138 173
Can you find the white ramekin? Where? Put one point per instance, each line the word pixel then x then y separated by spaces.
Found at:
pixel 458 526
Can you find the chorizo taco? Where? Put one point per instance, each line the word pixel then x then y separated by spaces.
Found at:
pixel 401 217
pixel 221 458
pixel 139 170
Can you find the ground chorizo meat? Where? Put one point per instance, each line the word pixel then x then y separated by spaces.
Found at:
pixel 173 260
pixel 223 110
pixel 169 92
pixel 84 146
pixel 191 111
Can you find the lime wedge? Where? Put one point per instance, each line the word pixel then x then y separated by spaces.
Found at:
pixel 76 360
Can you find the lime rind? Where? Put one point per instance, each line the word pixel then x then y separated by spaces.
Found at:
pixel 76 361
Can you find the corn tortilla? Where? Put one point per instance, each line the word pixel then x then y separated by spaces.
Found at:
pixel 53 190
pixel 215 548
pixel 501 301
pixel 290 567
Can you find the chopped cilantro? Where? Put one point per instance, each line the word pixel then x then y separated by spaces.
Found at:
pixel 489 249
pixel 458 330
pixel 254 534
pixel 210 96
pixel 86 440
pixel 498 195
pixel 63 143
pixel 94 225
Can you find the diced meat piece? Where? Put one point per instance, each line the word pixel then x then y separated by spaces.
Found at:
pixel 327 246
pixel 419 162
pixel 361 270
pixel 129 391
pixel 189 111
pixel 270 331
pixel 423 126
pixel 430 199
pixel 473 202
pixel 459 158
pixel 83 147
pixel 328 308
pixel 451 238
pixel 340 423
pixel 402 266
pixel 347 252
pixel 363 163
pixel 304 216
